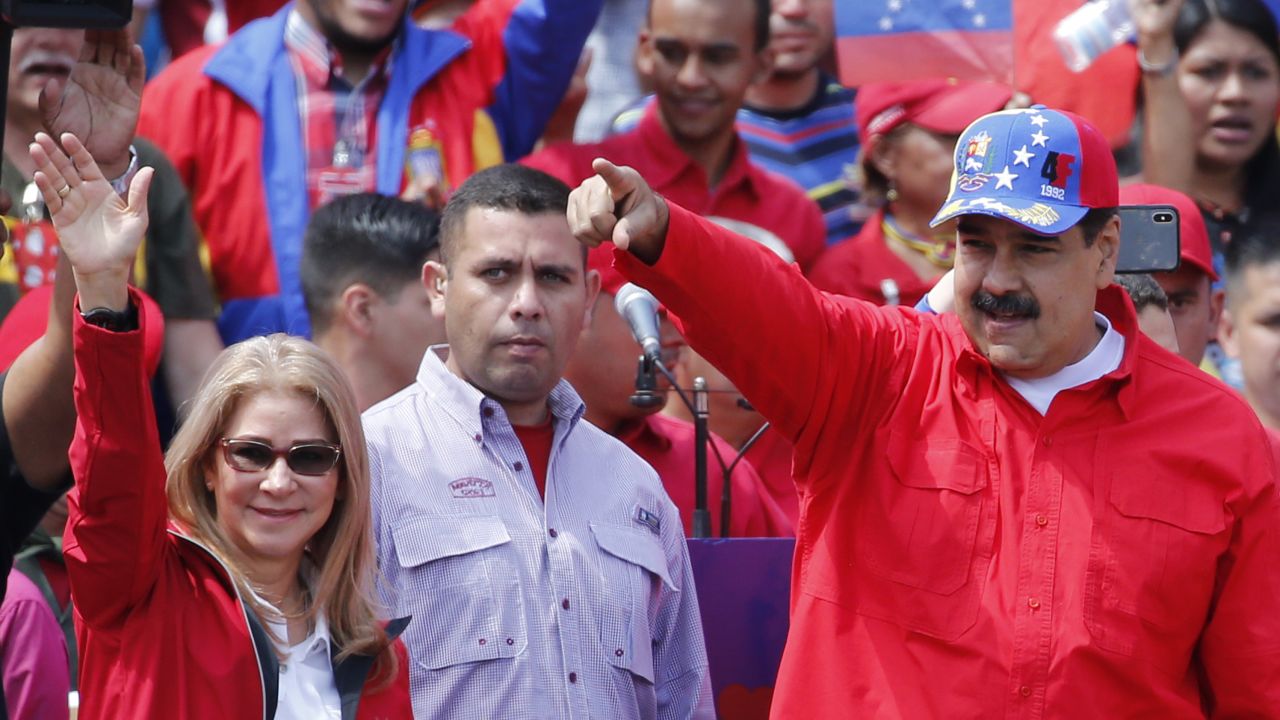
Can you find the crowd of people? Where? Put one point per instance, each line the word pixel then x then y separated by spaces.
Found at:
pixel 320 399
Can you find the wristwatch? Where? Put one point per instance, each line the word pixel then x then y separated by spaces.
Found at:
pixel 114 320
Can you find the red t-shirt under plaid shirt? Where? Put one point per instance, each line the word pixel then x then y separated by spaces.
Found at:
pixel 339 118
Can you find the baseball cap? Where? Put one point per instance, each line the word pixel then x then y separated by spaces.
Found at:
pixel 1192 233
pixel 943 106
pixel 1040 168
pixel 28 318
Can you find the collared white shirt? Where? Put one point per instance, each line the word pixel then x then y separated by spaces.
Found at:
pixel 581 606
pixel 307 689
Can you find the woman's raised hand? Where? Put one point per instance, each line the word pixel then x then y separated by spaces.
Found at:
pixel 97 229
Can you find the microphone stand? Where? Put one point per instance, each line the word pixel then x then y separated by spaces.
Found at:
pixel 701 515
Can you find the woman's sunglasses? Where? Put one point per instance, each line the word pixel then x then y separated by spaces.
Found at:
pixel 304 458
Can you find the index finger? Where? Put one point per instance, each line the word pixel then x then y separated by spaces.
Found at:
pixel 619 181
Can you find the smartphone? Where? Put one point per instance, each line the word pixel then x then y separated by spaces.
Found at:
pixel 1149 240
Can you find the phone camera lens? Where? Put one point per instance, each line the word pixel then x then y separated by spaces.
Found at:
pixel 1163 217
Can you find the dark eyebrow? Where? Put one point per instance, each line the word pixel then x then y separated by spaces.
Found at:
pixel 663 41
pixel 569 271
pixel 498 262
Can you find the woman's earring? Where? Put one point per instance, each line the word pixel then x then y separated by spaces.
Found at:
pixel 892 194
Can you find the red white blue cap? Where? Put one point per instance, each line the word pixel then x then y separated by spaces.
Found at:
pixel 1042 169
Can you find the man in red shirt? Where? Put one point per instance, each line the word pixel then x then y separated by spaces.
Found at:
pixel 603 371
pixel 700 57
pixel 1025 508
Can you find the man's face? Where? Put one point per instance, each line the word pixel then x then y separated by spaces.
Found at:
pixel 1195 309
pixel 515 298
pixel 1156 323
pixel 1251 332
pixel 359 25
pixel 39 55
pixel 800 34
pixel 403 327
pixel 1027 300
pixel 699 57
pixel 603 368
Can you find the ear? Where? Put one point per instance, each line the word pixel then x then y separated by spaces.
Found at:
pixel 435 278
pixel 1227 334
pixel 357 308
pixel 883 157
pixel 1108 245
pixel 593 291
pixel 1217 303
pixel 644 54
pixel 764 61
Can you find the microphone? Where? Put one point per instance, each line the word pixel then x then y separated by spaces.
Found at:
pixel 640 309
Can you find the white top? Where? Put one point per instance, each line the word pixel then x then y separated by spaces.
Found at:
pixel 1104 358
pixel 307 687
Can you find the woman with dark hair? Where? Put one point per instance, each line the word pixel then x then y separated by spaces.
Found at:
pixel 1211 82
pixel 234 577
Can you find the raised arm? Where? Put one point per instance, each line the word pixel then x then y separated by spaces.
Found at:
pixel 530 49
pixel 1168 155
pixel 791 349
pixel 117 510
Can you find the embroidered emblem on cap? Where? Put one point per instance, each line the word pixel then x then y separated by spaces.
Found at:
pixel 471 487
pixel 648 519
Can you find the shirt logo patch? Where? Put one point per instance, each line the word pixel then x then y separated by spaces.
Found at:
pixel 649 520
pixel 471 487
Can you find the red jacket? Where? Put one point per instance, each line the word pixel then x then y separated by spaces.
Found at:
pixel 161 629
pixel 960 555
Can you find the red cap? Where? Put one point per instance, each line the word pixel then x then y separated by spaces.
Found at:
pixel 26 322
pixel 1193 234
pixel 943 106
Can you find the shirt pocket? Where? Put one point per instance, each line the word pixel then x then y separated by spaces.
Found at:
pixel 461 590
pixel 634 567
pixel 918 527
pixel 1153 564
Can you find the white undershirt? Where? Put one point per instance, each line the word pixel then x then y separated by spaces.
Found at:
pixel 1104 358
pixel 307 690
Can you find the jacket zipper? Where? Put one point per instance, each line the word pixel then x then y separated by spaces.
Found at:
pixel 244 612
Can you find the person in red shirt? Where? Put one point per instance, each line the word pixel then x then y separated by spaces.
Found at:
pixel 1025 508
pixel 907 131
pixel 700 57
pixel 603 371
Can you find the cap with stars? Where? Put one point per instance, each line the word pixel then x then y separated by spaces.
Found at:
pixel 1041 168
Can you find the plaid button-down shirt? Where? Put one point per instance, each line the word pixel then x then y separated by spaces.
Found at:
pixel 582 607
pixel 339 118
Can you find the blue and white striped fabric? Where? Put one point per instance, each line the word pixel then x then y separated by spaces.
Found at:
pixel 580 608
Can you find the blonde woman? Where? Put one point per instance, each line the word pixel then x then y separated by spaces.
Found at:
pixel 249 592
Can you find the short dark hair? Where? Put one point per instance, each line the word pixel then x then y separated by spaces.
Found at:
pixel 1093 222
pixel 1256 248
pixel 502 187
pixel 763 8
pixel 368 238
pixel 1143 290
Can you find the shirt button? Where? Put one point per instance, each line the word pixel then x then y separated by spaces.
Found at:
pixel 511 641
pixel 482 641
pixel 476 437
pixel 519 466
pixel 1024 691
pixel 1048 441
pixel 552 532
pixel 1033 603
pixel 1042 520
pixel 565 603
pixel 487 412
pixel 573 677
pixel 618 652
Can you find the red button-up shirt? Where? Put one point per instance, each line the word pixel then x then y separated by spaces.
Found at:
pixel 747 193
pixel 668 444
pixel 960 555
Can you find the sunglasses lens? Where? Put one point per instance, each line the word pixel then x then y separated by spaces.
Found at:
pixel 249 456
pixel 312 459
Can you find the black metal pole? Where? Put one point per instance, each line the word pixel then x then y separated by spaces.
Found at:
pixel 6 46
pixel 701 515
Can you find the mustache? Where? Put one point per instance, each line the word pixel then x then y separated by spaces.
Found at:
pixel 1011 304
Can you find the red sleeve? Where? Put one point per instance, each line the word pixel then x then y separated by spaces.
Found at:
pixel 1240 648
pixel 812 364
pixel 117 511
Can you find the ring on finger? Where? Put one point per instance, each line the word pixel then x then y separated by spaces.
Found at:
pixel 64 191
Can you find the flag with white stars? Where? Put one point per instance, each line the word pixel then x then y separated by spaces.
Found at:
pixel 905 40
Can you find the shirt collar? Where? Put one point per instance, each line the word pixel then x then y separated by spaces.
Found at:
pixel 672 162
pixel 320 61
pixel 478 412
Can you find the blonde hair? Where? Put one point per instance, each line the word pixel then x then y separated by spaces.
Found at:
pixel 342 550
